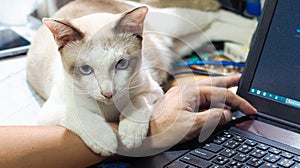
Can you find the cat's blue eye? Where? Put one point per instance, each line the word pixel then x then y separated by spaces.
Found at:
pixel 85 69
pixel 122 64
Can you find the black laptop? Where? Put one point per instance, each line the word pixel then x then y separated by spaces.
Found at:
pixel 271 82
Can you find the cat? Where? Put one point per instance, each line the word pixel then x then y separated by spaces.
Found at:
pixel 93 68
pixel 101 70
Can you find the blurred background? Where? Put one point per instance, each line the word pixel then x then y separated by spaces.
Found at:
pixel 15 12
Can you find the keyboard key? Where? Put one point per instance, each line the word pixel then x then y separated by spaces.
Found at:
pixel 297 165
pixel 220 160
pixel 213 147
pixel 297 158
pixel 258 153
pixel 177 164
pixel 234 164
pixel 204 154
pixel 275 151
pixel 228 153
pixel 285 163
pixel 263 147
pixel 254 162
pixel 238 139
pixel 287 155
pixel 269 165
pixel 241 157
pixel 196 161
pixel 244 149
pixel 227 135
pixel 231 144
pixel 272 158
pixel 219 140
pixel 250 142
pixel 248 166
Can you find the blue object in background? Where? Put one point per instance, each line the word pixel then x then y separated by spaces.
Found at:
pixel 253 7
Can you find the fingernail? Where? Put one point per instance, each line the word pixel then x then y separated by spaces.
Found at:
pixel 255 110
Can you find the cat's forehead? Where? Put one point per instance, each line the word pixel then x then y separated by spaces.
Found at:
pixel 92 23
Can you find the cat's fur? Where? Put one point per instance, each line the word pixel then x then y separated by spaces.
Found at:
pixel 82 36
pixel 113 90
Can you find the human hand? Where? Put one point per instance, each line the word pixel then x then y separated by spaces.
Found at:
pixel 188 110
pixel 177 117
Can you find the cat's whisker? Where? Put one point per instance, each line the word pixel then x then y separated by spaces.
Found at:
pixel 81 91
pixel 130 88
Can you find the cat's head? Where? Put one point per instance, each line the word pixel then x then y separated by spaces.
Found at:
pixel 100 52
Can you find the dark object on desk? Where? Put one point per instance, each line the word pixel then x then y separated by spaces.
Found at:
pixel 11 43
pixel 236 6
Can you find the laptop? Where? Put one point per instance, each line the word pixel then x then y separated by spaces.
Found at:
pixel 270 82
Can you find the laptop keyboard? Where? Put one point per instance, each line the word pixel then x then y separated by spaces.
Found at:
pixel 231 150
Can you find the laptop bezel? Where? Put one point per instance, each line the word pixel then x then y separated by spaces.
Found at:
pixel 265 106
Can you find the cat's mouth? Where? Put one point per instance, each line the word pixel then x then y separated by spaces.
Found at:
pixel 107 101
pixel 104 100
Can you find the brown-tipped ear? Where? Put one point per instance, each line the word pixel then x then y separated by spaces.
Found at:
pixel 63 31
pixel 132 21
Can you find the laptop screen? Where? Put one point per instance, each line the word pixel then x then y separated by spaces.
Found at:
pixel 277 76
pixel 272 74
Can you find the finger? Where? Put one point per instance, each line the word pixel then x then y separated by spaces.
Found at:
pixel 225 81
pixel 239 103
pixel 206 122
pixel 218 115
pixel 216 96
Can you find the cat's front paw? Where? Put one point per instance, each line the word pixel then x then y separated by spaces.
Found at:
pixel 104 151
pixel 103 141
pixel 132 133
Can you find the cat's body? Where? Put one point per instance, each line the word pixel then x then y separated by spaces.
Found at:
pixel 106 67
pixel 97 68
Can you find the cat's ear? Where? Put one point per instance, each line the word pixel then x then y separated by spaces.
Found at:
pixel 63 31
pixel 132 21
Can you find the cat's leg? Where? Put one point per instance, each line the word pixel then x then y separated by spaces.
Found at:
pixel 85 120
pixel 133 127
pixel 80 115
pixel 53 110
pixel 93 130
pixel 135 117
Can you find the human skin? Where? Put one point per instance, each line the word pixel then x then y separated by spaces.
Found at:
pixel 176 112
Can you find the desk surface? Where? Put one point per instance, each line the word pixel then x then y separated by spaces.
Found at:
pixel 19 105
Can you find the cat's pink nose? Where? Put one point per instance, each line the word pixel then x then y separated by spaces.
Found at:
pixel 107 95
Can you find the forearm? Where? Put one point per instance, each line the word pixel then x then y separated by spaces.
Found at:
pixel 43 147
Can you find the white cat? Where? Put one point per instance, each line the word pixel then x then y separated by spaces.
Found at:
pixel 103 67
pixel 104 72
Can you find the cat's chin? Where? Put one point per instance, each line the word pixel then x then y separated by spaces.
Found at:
pixel 106 101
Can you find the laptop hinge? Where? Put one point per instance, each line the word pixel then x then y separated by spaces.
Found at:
pixel 279 122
